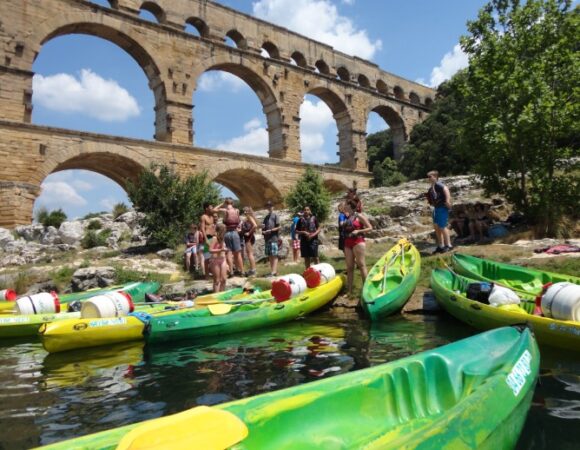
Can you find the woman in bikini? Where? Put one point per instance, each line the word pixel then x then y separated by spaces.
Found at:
pixel 354 228
pixel 249 226
pixel 217 263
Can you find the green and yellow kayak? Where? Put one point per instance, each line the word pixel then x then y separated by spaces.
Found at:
pixel 450 292
pixel 83 333
pixel 517 278
pixel 392 280
pixel 193 324
pixel 474 393
pixel 136 290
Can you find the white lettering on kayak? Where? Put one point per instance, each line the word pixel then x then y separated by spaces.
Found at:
pixel 13 320
pixel 107 322
pixel 519 373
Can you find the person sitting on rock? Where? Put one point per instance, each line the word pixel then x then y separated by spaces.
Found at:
pixel 192 245
pixel 481 220
pixel 459 222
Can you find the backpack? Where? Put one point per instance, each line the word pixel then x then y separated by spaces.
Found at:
pixel 479 291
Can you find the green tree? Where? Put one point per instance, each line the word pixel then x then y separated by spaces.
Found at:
pixel 170 203
pixel 51 219
pixel 310 191
pixel 522 108
pixel 387 173
pixel 436 144
pixel 379 147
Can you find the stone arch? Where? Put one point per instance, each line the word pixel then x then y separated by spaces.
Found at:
pixel 399 93
pixel 237 37
pixel 343 122
pixel 265 94
pixel 201 27
pixel 253 188
pixel 322 67
pixel 414 98
pixel 299 59
pixel 143 58
pixel 428 102
pixel 343 73
pixel 154 9
pixel 119 168
pixel 382 87
pixel 396 125
pixel 335 186
pixel 363 81
pixel 272 50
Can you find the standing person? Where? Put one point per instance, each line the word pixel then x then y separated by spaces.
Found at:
pixel 439 197
pixel 294 239
pixel 308 229
pixel 207 225
pixel 191 247
pixel 355 226
pixel 352 195
pixel 218 265
pixel 341 220
pixel 249 226
pixel 232 222
pixel 270 229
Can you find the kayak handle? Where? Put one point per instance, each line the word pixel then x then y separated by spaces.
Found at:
pixel 279 306
pixel 453 298
pixel 475 306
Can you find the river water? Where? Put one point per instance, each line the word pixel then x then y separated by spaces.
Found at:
pixel 47 398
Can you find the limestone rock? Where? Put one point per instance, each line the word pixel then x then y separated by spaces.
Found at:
pixel 166 253
pixel 30 232
pixel 92 277
pixel 50 236
pixel 71 232
pixel 5 237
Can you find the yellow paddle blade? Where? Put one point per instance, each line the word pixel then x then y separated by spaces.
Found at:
pixel 207 301
pixel 198 428
pixel 219 309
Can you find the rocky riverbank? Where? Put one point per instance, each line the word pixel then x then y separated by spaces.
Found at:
pixel 35 258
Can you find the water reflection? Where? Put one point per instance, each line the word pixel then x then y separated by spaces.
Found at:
pixel 48 398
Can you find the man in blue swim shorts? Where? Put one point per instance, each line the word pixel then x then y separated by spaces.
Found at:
pixel 439 197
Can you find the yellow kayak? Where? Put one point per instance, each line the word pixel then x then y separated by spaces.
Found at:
pixel 449 290
pixel 78 333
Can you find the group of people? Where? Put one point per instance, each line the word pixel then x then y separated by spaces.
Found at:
pixel 470 221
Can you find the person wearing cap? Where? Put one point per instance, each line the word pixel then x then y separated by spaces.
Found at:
pixel 270 230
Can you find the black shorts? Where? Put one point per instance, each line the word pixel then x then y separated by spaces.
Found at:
pixel 309 248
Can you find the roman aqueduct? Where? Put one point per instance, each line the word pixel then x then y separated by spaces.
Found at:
pixel 173 60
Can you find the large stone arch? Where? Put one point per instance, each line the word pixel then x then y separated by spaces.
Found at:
pixel 396 124
pixel 121 169
pixel 264 92
pixel 143 57
pixel 253 188
pixel 344 123
pixel 335 186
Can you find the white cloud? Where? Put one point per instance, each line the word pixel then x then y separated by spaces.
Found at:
pixel 217 80
pixel 348 2
pixel 90 95
pixel 452 62
pixel 108 203
pixel 319 20
pixel 60 193
pixel 254 142
pixel 82 185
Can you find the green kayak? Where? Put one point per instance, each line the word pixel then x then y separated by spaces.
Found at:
pixel 136 290
pixel 517 278
pixel 392 280
pixel 474 393
pixel 248 316
pixel 450 292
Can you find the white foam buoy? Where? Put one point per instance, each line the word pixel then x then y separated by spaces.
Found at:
pixel 8 295
pixel 112 304
pixel 288 286
pixel 562 301
pixel 42 303
pixel 319 274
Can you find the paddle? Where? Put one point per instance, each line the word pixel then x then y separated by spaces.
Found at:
pixel 201 427
pixel 379 276
pixel 219 309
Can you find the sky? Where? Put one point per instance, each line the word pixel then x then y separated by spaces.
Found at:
pixel 89 84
